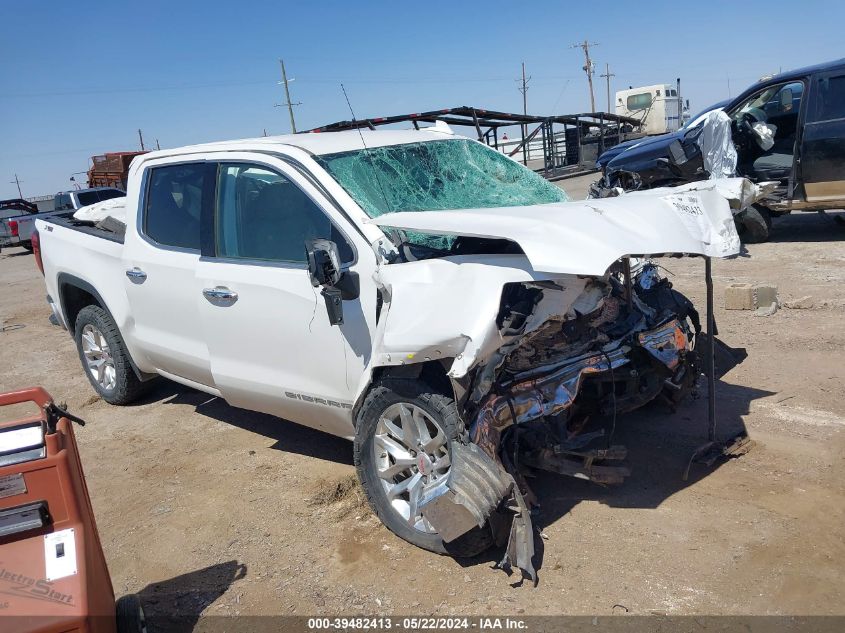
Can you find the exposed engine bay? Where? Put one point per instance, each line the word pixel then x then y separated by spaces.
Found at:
pixel 616 347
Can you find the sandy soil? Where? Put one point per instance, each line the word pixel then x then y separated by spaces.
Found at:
pixel 205 508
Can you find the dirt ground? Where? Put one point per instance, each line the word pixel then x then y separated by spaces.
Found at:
pixel 205 508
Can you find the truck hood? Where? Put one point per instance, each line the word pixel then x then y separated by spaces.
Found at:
pixel 586 238
pixel 447 307
pixel 637 152
pixel 616 150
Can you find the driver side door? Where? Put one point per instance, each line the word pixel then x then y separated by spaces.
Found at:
pixel 823 146
pixel 271 345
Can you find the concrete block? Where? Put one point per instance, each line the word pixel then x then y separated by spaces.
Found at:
pixel 804 303
pixel 750 296
pixel 765 295
pixel 739 297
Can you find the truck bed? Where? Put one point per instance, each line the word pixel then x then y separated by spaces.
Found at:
pixel 105 230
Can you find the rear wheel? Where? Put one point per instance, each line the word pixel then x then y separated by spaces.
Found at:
pixel 104 357
pixel 402 442
pixel 754 224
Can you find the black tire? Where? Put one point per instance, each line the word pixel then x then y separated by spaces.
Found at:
pixel 442 409
pixel 754 225
pixel 27 246
pixel 127 386
pixel 130 615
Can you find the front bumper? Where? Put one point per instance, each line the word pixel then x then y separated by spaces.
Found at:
pixel 553 393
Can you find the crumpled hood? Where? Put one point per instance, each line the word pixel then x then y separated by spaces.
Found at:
pixel 585 238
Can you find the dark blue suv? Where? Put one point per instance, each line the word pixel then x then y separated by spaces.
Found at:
pixel 805 108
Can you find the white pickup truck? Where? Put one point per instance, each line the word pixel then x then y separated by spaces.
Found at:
pixel 415 291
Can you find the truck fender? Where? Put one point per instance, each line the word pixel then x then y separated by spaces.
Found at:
pixel 66 281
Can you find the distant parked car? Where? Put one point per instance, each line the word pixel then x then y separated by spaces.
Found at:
pixel 17 217
pixel 11 213
pixel 661 141
pixel 805 112
pixel 79 198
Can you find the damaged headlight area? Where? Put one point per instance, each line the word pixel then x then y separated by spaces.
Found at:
pixel 568 367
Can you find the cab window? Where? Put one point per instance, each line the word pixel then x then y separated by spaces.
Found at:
pixel 640 101
pixel 176 195
pixel 261 215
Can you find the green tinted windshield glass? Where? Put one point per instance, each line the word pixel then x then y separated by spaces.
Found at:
pixel 436 176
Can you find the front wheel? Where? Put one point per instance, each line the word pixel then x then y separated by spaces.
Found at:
pixel 754 224
pixel 403 442
pixel 105 358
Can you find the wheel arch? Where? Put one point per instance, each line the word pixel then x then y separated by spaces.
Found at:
pixel 434 372
pixel 76 294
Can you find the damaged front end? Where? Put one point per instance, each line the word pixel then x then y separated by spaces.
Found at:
pixel 565 362
pixel 546 333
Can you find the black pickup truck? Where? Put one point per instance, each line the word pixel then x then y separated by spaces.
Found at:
pixel 806 109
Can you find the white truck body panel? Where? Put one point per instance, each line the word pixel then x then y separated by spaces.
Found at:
pixel 273 348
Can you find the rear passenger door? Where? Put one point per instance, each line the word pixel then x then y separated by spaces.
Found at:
pixel 160 270
pixel 271 344
pixel 823 146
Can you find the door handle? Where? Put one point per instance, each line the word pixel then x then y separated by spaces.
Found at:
pixel 136 275
pixel 220 293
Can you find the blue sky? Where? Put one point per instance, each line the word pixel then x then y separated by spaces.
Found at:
pixel 80 78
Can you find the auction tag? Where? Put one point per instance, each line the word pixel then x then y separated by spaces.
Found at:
pixel 59 554
pixel 690 209
pixel 11 485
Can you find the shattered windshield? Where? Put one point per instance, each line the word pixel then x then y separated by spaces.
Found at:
pixel 436 176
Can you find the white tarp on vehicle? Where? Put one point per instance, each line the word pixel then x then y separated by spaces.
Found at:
pixel 586 238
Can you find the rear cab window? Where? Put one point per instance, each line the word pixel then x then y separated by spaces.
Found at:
pixel 828 102
pixel 175 198
pixel 98 195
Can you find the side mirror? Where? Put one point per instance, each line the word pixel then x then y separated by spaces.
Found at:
pixel 786 100
pixel 323 262
pixel 324 270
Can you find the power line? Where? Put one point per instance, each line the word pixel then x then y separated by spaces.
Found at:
pixel 589 68
pixel 607 74
pixel 287 102
pixel 225 84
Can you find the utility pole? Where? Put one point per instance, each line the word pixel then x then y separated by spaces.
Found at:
pixel 287 102
pixel 17 182
pixel 524 90
pixel 141 138
pixel 680 104
pixel 589 68
pixel 157 145
pixel 607 74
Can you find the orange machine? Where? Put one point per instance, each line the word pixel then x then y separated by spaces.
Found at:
pixel 53 574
